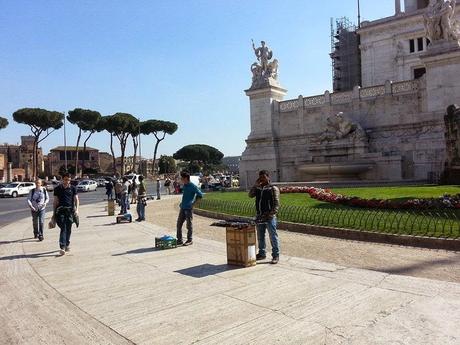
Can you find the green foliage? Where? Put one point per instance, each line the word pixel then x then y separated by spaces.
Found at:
pixel 39 119
pixel 3 122
pixel 167 165
pixel 158 126
pixel 85 119
pixel 121 123
pixel 199 153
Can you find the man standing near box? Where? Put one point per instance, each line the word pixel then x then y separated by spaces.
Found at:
pixel 267 206
pixel 191 194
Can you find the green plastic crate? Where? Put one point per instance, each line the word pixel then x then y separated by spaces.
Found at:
pixel 165 244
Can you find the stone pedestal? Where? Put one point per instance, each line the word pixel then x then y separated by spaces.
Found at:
pixel 262 148
pixel 442 62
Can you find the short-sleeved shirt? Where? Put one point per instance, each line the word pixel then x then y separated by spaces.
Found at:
pixel 66 196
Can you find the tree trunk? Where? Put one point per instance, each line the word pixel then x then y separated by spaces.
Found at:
pixel 76 153
pixel 113 155
pixel 34 159
pixel 155 152
pixel 122 147
pixel 84 151
pixel 135 144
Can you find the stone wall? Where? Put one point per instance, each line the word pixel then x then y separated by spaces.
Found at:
pixel 405 141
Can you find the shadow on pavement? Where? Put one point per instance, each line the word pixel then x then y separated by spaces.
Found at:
pixel 98 216
pixel 205 270
pixel 407 269
pixel 138 251
pixel 30 239
pixel 31 256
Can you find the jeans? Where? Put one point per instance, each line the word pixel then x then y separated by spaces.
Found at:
pixel 38 220
pixel 124 203
pixel 185 215
pixel 140 209
pixel 274 240
pixel 65 224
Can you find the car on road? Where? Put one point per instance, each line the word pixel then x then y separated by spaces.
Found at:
pixel 50 185
pixel 16 189
pixel 87 186
pixel 101 182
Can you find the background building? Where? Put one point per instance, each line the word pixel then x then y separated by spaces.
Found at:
pixel 21 158
pixel 57 158
pixel 392 125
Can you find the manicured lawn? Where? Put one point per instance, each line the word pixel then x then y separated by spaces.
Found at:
pixel 301 208
pixel 395 193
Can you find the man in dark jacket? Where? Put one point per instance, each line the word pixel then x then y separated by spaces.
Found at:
pixel 267 206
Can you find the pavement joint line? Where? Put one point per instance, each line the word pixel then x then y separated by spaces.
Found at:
pixel 65 298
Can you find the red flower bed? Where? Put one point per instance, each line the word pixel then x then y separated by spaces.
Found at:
pixel 326 195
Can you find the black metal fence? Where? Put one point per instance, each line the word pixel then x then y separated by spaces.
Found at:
pixel 430 223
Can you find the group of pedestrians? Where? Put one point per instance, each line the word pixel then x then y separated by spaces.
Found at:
pixel 66 205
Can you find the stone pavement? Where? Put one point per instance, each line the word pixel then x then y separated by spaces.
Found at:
pixel 115 288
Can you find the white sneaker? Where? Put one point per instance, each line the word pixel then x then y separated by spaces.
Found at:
pixel 62 252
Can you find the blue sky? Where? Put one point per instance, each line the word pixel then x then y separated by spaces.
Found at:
pixel 183 61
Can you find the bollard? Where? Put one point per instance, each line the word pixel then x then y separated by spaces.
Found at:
pixel 111 207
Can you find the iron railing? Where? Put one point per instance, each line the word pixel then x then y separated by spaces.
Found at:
pixel 430 223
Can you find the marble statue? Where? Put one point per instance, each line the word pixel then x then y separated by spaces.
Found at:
pixel 340 127
pixel 440 22
pixel 263 70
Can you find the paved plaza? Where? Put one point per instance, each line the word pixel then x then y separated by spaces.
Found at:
pixel 115 288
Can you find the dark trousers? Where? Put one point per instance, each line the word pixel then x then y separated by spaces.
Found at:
pixel 65 224
pixel 185 215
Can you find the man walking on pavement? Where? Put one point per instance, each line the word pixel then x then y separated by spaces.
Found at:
pixel 37 200
pixel 267 206
pixel 191 194
pixel 65 207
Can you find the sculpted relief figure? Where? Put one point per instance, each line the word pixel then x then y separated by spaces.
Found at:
pixel 340 127
pixel 263 69
pixel 440 22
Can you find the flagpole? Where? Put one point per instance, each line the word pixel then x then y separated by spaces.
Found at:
pixel 65 144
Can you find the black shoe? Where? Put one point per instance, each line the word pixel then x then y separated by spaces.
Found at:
pixel 179 242
pixel 188 243
pixel 35 235
pixel 40 238
pixel 275 260
pixel 260 257
pixel 138 220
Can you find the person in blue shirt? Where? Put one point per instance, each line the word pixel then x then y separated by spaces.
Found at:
pixel 191 194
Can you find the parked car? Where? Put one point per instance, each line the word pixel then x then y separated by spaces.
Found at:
pixel 3 185
pixel 101 182
pixel 16 189
pixel 87 186
pixel 50 185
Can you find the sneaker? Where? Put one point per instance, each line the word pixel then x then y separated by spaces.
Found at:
pixel 67 249
pixel 275 260
pixel 188 243
pixel 179 242
pixel 62 252
pixel 261 257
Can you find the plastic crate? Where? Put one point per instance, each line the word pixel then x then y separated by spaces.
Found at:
pixel 165 244
pixel 124 218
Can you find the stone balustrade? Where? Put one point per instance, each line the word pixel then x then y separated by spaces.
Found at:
pixel 367 93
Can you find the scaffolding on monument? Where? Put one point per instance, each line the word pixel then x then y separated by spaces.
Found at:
pixel 345 55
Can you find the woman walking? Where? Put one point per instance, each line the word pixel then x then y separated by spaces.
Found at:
pixel 37 200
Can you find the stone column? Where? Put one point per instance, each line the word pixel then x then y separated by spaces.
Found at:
pixel 9 173
pixel 261 144
pixel 442 63
pixel 397 7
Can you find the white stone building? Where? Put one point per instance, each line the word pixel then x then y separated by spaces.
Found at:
pixel 392 127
